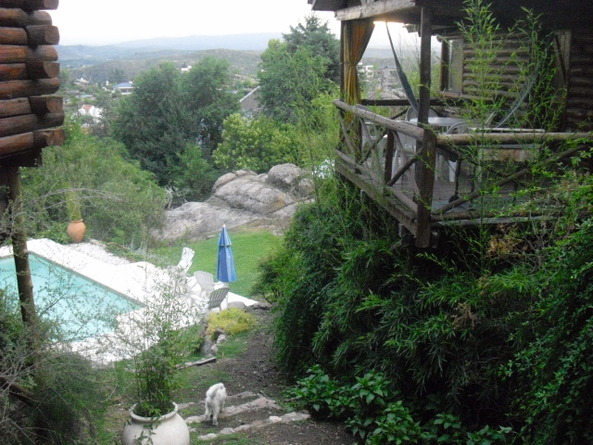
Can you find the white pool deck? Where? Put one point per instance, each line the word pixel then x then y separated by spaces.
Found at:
pixel 138 281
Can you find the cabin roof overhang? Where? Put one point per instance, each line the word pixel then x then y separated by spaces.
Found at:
pixel 555 14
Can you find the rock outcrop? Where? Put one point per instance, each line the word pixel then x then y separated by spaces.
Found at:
pixel 242 198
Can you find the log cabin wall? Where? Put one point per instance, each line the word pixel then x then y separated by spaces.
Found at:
pixel 30 115
pixel 579 103
pixel 505 67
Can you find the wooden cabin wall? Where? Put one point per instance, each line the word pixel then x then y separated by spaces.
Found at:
pixel 506 67
pixel 579 102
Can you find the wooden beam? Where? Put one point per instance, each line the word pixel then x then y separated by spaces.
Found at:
pixel 32 35
pixel 375 9
pixel 425 170
pixel 402 214
pixel 20 88
pixel 31 70
pixel 19 18
pixel 19 53
pixel 31 105
pixel 46 104
pixel 42 35
pixel 31 5
pixel 29 122
pixel 510 137
pixel 13 36
pixel 11 145
pixel 407 128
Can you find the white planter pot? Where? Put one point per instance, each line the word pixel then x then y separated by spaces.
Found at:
pixel 169 429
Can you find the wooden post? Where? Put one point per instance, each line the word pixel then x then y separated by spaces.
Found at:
pixel 425 65
pixel 20 253
pixel 425 169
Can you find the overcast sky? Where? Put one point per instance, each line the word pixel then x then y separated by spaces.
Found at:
pixel 92 22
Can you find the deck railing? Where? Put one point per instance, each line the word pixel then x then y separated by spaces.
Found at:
pixel 426 178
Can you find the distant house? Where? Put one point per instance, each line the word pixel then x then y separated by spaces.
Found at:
pixel 250 103
pixel 124 88
pixel 90 111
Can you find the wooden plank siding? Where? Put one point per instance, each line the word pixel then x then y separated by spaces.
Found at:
pixel 579 102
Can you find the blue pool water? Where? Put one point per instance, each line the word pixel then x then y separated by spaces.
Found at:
pixel 81 307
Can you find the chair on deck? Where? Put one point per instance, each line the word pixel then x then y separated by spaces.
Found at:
pixel 216 297
pixel 205 280
pixel 187 256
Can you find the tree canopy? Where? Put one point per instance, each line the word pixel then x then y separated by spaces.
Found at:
pixel 169 110
pixel 298 69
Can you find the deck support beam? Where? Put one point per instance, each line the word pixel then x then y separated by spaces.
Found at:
pixel 426 167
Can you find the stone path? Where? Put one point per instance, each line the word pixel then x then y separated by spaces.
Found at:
pixel 243 411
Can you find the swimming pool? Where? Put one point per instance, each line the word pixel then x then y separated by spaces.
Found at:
pixel 82 308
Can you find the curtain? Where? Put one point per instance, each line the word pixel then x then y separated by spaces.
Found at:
pixel 355 39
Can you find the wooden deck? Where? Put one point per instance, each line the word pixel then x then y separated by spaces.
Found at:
pixel 442 179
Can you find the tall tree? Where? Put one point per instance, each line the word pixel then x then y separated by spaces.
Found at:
pixel 169 111
pixel 209 100
pixel 289 81
pixel 152 122
pixel 296 70
pixel 317 37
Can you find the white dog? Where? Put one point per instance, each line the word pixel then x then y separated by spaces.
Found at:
pixel 215 398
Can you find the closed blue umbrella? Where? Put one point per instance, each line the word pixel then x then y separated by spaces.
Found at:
pixel 226 263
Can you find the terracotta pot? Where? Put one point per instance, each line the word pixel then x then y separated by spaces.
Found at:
pixel 76 230
pixel 169 429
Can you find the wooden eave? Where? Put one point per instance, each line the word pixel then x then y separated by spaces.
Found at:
pixel 555 14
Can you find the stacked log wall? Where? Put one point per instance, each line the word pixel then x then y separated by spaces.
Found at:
pixel 31 116
pixel 579 100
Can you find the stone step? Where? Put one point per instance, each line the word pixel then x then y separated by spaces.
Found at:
pixel 294 416
pixel 255 410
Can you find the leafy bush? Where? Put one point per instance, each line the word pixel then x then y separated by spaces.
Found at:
pixel 59 400
pixel 231 321
pixel 255 144
pixel 376 414
pixel 118 201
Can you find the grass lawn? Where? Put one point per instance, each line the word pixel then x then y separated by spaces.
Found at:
pixel 249 249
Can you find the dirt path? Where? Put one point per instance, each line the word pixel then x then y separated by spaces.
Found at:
pixel 255 411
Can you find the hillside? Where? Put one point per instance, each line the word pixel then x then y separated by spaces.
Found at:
pixel 241 62
pixel 242 51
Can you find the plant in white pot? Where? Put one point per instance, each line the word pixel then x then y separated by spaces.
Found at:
pixel 158 338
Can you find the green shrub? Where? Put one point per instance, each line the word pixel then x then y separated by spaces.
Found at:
pixel 375 413
pixel 231 321
pixel 118 201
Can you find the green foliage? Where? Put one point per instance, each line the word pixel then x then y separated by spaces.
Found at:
pixel 376 414
pixel 118 200
pixel 67 398
pixel 170 112
pixel 194 175
pixel 71 398
pixel 231 321
pixel 290 80
pixel 553 366
pixel 317 37
pixel 158 340
pixel 208 100
pixel 155 142
pixel 255 144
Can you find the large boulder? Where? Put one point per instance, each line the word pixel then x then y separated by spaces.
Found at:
pixel 241 198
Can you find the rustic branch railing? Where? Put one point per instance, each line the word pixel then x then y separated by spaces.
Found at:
pixel 395 163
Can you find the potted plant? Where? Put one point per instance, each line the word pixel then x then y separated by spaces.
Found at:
pixel 157 339
pixel 76 228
